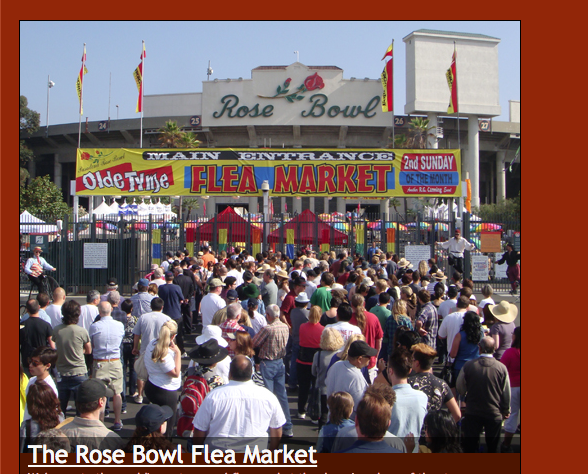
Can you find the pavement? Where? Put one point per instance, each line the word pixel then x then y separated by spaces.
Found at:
pixel 305 433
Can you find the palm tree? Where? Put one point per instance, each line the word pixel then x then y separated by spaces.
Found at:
pixel 171 135
pixel 188 140
pixel 420 132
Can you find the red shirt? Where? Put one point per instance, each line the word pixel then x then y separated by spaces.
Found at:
pixel 310 336
pixel 372 332
pixel 512 359
pixel 288 304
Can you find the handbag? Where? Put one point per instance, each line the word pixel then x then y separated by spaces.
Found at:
pixel 140 368
pixel 447 372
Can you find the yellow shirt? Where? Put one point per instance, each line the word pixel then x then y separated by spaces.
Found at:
pixel 23 398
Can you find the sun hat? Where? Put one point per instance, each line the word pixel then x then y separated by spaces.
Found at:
pixel 282 274
pixel 302 298
pixel 212 332
pixel 438 275
pixel 504 311
pixel 250 291
pixel 404 263
pixel 208 353
pixel 263 268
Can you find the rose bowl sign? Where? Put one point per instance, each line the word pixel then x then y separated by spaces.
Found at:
pixel 428 173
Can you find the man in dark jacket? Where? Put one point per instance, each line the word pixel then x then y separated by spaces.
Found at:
pixel 186 282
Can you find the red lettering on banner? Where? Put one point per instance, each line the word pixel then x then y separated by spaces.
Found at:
pixel 228 175
pixel 345 183
pixel 197 179
pixel 123 178
pixel 326 179
pixel 212 187
pixel 286 181
pixel 363 176
pixel 381 172
pixel 307 181
pixel 247 184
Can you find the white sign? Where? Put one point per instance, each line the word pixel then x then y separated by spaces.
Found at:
pixel 499 270
pixel 95 255
pixel 415 253
pixel 479 267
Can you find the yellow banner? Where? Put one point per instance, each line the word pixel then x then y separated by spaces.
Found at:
pixel 360 173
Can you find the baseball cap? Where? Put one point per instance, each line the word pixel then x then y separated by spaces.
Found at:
pixel 232 295
pixel 151 417
pixel 361 348
pixel 169 275
pixel 91 390
pixel 215 283
pixel 112 282
pixel 144 282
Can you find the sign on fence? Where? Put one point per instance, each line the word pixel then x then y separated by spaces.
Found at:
pixel 95 255
pixel 499 270
pixel 415 253
pixel 490 242
pixel 479 267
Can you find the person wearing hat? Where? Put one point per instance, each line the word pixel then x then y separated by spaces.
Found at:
pixel 346 376
pixel 247 280
pixel 206 356
pixel 501 325
pixel 87 429
pixel 436 277
pixel 151 422
pixel 212 302
pixel 251 291
pixel 231 324
pixel 111 285
pixel 221 315
pixel 34 269
pixel 485 384
pixel 222 367
pixel 142 299
pixel 456 246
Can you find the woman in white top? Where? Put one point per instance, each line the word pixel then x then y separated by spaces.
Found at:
pixel 257 320
pixel 164 365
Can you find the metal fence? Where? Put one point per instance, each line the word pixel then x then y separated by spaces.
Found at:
pixel 130 246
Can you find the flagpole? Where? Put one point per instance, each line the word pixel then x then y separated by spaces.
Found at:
pixel 392 78
pixel 142 88
pixel 81 96
pixel 457 96
pixel 109 93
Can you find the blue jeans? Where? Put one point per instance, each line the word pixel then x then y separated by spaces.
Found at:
pixel 67 386
pixel 274 376
pixel 293 374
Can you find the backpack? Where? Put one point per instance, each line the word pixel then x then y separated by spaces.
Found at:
pixel 194 390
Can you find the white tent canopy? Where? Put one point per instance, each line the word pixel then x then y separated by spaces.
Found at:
pixel 30 224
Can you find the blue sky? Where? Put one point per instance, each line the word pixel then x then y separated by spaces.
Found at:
pixel 178 55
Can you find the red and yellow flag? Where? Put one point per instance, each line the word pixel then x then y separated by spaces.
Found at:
pixel 451 75
pixel 80 80
pixel 388 81
pixel 138 75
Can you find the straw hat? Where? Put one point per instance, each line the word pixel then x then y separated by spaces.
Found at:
pixel 404 263
pixel 282 274
pixel 504 311
pixel 438 275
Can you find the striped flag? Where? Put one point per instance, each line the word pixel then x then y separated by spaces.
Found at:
pixel 451 75
pixel 388 81
pixel 138 75
pixel 80 80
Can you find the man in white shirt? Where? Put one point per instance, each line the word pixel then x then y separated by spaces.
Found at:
pixel 456 246
pixel 448 305
pixel 158 277
pixel 220 419
pixel 451 324
pixel 345 328
pixel 212 302
pixel 54 309
pixel 89 310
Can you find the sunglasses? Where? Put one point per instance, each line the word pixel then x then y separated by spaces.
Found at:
pixel 34 363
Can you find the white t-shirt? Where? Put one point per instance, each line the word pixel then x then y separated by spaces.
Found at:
pixel 158 371
pixel 258 322
pixel 209 305
pixel 239 410
pixel 221 369
pixel 346 329
pixel 54 313
pixel 483 303
pixel 446 307
pixel 235 273
pixel 450 327
pixel 49 381
pixel 87 316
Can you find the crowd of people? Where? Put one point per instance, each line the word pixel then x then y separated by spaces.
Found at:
pixel 354 340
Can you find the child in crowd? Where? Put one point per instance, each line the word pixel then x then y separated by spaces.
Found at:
pixel 340 408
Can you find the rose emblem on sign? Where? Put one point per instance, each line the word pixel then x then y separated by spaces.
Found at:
pixel 311 83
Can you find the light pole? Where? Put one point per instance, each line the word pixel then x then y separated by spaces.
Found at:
pixel 50 84
pixel 265 189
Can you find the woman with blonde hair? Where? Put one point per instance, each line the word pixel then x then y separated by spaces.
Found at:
pixel 163 361
pixel 399 317
pixel 370 327
pixel 423 267
pixel 331 342
pixel 153 289
pixel 409 297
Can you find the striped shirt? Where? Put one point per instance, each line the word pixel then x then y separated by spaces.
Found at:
pixel 272 340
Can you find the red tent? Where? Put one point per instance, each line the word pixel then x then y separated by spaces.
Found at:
pixel 305 227
pixel 238 228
